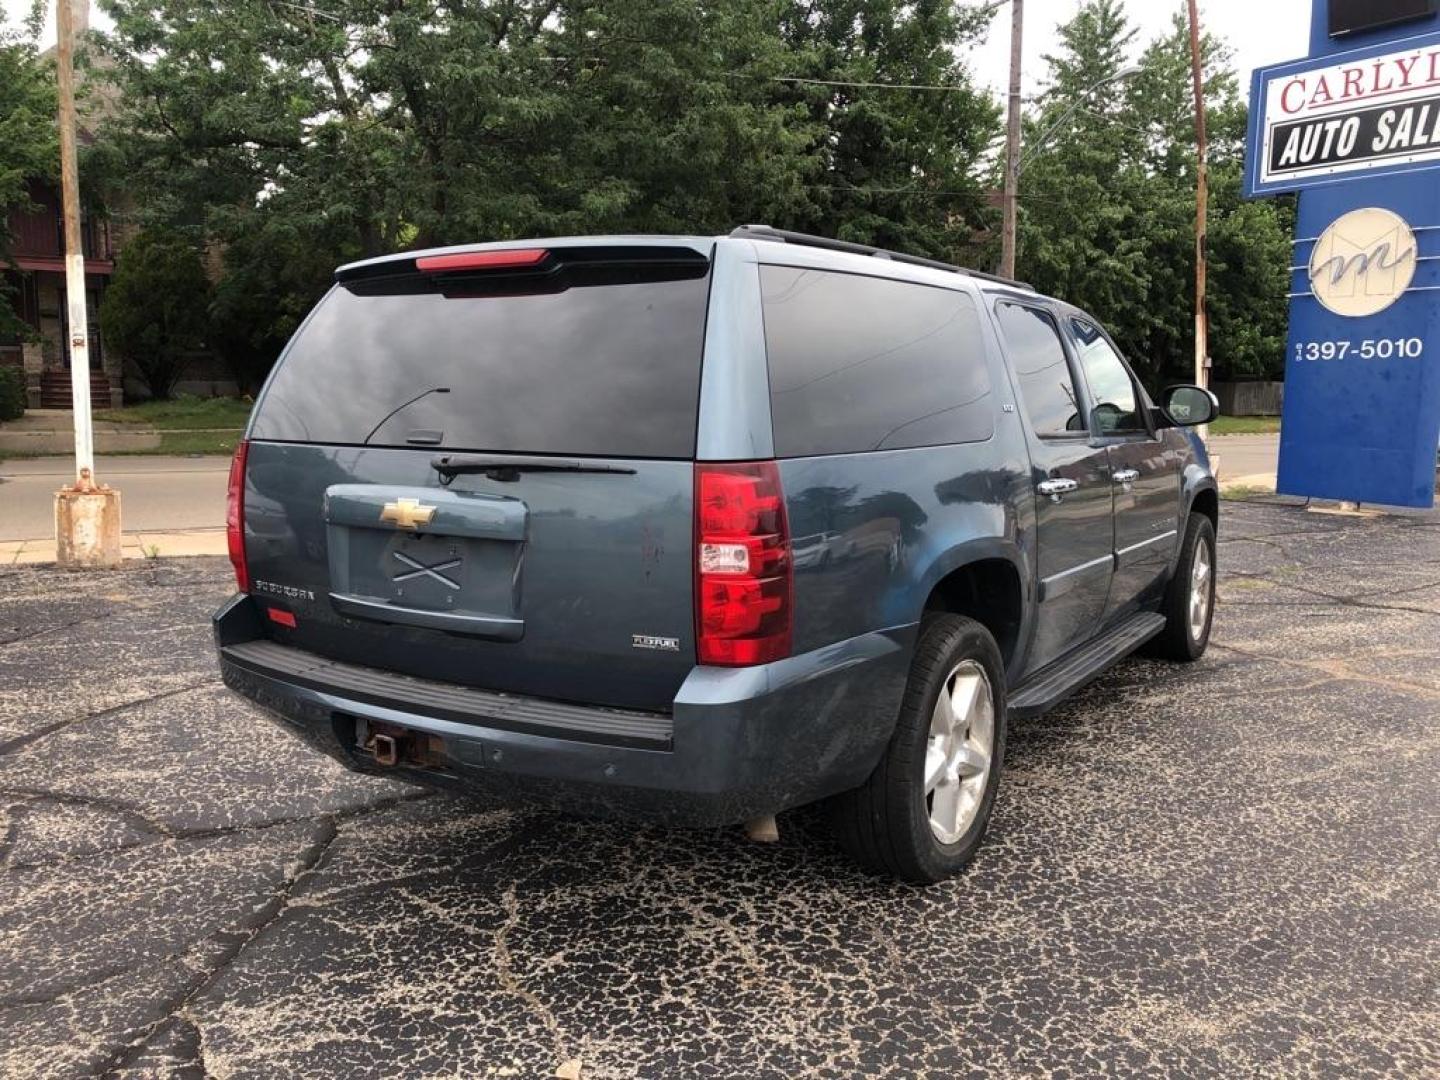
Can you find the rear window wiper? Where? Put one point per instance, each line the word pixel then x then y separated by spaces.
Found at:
pixel 508 468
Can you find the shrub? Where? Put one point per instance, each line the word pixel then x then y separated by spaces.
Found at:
pixel 154 311
pixel 12 393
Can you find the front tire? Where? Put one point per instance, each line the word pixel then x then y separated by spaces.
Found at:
pixel 1189 607
pixel 924 810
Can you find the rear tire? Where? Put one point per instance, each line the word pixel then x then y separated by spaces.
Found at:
pixel 1189 607
pixel 924 810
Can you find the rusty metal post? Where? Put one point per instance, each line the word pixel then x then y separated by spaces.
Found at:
pixel 1010 226
pixel 1202 210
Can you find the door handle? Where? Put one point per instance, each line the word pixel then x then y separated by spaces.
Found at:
pixel 1056 488
pixel 1125 476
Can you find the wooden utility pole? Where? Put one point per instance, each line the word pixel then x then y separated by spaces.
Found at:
pixel 1012 143
pixel 1202 207
pixel 87 517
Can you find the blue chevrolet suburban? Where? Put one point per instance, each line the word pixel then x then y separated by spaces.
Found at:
pixel 703 529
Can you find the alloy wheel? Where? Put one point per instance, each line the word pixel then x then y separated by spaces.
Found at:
pixel 958 751
pixel 1201 568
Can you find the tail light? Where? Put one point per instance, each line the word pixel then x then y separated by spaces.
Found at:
pixel 512 259
pixel 235 516
pixel 743 607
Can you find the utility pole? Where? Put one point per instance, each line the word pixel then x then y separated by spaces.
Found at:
pixel 1202 209
pixel 87 516
pixel 1012 142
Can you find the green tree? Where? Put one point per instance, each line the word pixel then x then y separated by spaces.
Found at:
pixel 28 146
pixel 155 310
pixel 346 130
pixel 1086 218
pixel 1249 241
pixel 272 276
pixel 1108 204
pixel 893 167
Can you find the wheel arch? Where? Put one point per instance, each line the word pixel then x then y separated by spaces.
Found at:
pixel 1205 499
pixel 988 581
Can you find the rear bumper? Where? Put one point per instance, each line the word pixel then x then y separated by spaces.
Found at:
pixel 739 742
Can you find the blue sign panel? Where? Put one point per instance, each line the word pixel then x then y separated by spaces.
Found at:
pixel 1357 127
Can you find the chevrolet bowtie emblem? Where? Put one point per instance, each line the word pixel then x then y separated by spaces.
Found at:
pixel 407 513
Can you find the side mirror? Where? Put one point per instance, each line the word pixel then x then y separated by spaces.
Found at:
pixel 1189 406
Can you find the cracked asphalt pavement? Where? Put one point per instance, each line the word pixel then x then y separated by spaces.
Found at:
pixel 1231 868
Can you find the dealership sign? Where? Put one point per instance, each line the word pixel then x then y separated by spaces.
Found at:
pixel 1370 111
pixel 1355 130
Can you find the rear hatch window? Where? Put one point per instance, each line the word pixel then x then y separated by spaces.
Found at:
pixel 598 355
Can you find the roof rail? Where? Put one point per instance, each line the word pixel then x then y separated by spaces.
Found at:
pixel 785 236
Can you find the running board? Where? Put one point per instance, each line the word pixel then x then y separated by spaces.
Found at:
pixel 1054 684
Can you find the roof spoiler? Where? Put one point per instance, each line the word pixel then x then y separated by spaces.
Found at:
pixel 533 262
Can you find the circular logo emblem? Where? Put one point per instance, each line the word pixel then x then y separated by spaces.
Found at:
pixel 1364 262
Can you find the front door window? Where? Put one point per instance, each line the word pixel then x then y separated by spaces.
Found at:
pixel 1114 405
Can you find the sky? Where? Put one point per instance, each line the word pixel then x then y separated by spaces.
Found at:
pixel 1260 31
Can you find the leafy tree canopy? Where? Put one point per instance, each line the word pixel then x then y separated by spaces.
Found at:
pixel 297 134
pixel 28 146
pixel 1108 202
pixel 301 134
pixel 378 124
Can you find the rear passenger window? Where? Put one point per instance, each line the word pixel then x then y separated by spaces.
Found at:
pixel 861 363
pixel 1046 385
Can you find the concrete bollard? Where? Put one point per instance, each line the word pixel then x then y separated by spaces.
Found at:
pixel 87 526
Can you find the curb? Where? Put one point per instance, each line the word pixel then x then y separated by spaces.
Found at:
pixel 118 440
pixel 133 545
pixel 1252 481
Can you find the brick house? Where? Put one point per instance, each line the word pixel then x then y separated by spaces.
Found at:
pixel 37 278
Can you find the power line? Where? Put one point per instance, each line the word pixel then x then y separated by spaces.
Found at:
pixel 842 82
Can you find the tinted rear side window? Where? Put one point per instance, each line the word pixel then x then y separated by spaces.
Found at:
pixel 1046 385
pixel 860 363
pixel 596 369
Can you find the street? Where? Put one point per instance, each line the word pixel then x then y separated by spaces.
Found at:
pixel 157 493
pixel 1252 458
pixel 1226 869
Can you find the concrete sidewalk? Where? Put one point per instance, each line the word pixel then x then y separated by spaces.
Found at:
pixel 133 545
pixel 52 431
